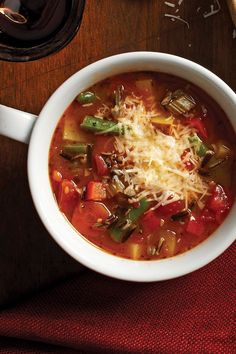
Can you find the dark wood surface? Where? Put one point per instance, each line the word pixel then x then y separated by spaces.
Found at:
pixel 29 258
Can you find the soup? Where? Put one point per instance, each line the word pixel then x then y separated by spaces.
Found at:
pixel 142 165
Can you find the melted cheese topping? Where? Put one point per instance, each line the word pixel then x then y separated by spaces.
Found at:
pixel 154 165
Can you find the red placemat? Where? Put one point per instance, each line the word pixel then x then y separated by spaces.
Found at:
pixel 92 313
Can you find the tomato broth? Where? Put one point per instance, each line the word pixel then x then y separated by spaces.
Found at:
pixel 142 165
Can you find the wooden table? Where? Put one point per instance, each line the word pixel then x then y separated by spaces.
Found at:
pixel 29 258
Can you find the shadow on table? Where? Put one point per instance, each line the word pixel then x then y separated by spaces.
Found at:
pixel 29 258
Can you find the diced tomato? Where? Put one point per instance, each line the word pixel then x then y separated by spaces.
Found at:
pixel 198 124
pixel 170 209
pixel 150 222
pixel 136 205
pixel 188 164
pixel 219 203
pixel 86 215
pixel 100 165
pixel 195 226
pixel 208 215
pixel 95 191
pixel 67 197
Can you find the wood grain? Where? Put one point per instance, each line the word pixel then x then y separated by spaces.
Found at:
pixel 29 258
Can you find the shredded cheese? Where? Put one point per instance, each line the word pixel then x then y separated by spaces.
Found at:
pixel 173 18
pixel 213 10
pixel 170 4
pixel 154 166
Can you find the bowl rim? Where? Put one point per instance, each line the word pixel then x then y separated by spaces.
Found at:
pixel 78 247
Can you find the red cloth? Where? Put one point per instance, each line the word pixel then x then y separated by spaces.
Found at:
pixel 95 314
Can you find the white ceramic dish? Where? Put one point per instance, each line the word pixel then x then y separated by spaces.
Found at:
pixel 18 125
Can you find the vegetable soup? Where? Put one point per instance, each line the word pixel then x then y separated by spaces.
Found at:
pixel 143 164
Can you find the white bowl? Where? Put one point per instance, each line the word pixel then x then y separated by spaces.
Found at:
pixel 61 230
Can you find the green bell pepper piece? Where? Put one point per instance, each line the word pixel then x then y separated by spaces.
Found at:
pixel 120 235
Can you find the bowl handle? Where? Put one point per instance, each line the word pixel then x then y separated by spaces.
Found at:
pixel 16 124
